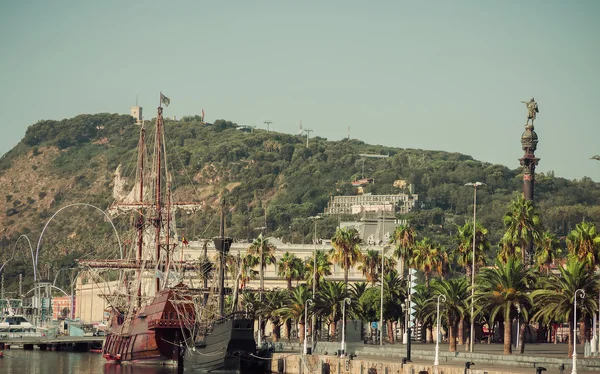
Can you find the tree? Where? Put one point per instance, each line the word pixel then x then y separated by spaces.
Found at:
pixel 464 237
pixel 346 250
pixel 501 290
pixel 453 307
pixel 323 267
pixel 291 268
pixel 547 251
pixel 329 303
pixel 428 257
pixel 265 252
pixel 370 266
pixel 404 239
pixel 555 294
pixel 249 262
pixel 584 243
pixel 293 308
pixel 269 308
pixel 522 225
pixel 393 297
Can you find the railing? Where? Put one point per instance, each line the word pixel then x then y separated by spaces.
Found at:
pixel 164 324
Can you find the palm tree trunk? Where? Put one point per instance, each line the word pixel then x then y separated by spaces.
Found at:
pixel 276 332
pixel 346 278
pixel 452 336
pixel 461 330
pixel 289 283
pixel 522 337
pixel 390 331
pixel 401 264
pixel 301 330
pixel 332 329
pixel 507 331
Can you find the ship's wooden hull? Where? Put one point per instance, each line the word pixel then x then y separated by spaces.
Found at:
pixel 230 347
pixel 155 334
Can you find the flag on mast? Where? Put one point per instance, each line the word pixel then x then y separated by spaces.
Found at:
pixel 164 100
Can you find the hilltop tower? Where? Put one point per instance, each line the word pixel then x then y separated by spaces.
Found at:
pixel 136 112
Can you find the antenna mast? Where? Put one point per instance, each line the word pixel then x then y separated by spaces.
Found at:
pixel 307 131
pixel 268 123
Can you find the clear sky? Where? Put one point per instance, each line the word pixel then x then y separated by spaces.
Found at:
pixel 440 75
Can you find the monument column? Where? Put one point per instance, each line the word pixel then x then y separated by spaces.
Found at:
pixel 529 141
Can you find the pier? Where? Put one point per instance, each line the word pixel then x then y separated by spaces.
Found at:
pixel 58 343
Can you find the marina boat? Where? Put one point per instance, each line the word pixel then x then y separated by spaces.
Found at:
pixel 16 323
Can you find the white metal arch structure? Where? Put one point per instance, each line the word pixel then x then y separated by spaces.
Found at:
pixel 54 215
pixel 39 286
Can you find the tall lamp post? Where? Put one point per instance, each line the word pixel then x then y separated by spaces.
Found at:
pixel 382 281
pixel 582 295
pixel 314 286
pixel 260 291
pixel 472 337
pixel 343 347
pixel 436 361
pixel 306 322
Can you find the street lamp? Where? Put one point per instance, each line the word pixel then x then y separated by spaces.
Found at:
pixel 472 337
pixel 314 286
pixel 261 288
pixel 436 361
pixel 382 281
pixel 582 295
pixel 344 302
pixel 306 322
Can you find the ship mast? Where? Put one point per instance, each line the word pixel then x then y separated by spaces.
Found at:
pixel 158 197
pixel 140 221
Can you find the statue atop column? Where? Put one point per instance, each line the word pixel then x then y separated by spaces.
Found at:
pixel 532 110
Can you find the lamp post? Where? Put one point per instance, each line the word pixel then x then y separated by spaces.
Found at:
pixel 343 347
pixel 382 267
pixel 582 295
pixel 472 337
pixel 306 322
pixel 314 286
pixel 262 280
pixel 436 361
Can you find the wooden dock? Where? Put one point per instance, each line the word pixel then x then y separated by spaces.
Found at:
pixel 57 343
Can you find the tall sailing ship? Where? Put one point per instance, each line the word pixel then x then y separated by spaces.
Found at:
pixel 156 325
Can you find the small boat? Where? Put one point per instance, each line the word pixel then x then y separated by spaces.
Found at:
pixel 16 323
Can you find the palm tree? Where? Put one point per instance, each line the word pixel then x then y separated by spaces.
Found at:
pixel 428 257
pixel 370 265
pixel 293 308
pixel 265 252
pixel 522 225
pixel 404 239
pixel 555 296
pixel 248 264
pixel 291 268
pixel 394 295
pixel 464 237
pixel 456 292
pixel 503 289
pixel 584 242
pixel 423 311
pixel 547 250
pixel 269 308
pixel 323 267
pixel 329 303
pixel 346 250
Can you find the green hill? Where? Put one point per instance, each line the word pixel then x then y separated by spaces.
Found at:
pixel 74 160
